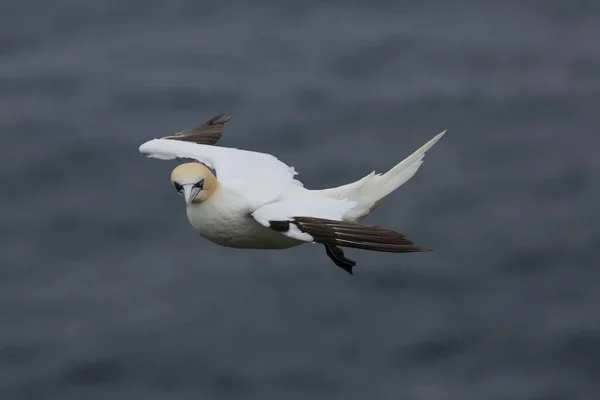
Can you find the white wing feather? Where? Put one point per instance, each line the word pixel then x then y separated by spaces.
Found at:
pixel 229 163
pixel 371 190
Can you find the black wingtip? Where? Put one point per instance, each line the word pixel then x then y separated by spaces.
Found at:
pixel 420 249
pixel 218 119
pixel 355 235
pixel 208 133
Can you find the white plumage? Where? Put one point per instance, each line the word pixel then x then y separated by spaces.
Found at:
pixel 255 201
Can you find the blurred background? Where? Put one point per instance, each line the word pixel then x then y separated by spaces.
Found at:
pixel 106 292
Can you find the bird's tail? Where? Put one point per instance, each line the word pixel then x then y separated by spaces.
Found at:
pixel 370 191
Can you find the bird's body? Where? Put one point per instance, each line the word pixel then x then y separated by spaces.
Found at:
pixel 226 219
pixel 246 199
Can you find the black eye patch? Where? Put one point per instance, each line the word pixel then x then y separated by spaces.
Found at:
pixel 200 185
pixel 178 187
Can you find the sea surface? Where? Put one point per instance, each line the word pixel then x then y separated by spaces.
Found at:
pixel 106 292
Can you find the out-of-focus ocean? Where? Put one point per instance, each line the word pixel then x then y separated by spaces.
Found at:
pixel 106 292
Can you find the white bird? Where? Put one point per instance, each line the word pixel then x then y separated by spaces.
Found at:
pixel 246 199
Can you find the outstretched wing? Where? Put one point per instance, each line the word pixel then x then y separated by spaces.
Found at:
pixel 319 220
pixel 233 166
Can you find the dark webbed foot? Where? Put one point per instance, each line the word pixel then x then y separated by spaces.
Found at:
pixel 337 255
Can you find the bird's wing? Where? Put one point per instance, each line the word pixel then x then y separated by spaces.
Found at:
pixel 318 220
pixel 241 168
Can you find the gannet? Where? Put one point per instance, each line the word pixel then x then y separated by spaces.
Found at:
pixel 246 199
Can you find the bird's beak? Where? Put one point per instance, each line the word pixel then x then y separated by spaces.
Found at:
pixel 189 193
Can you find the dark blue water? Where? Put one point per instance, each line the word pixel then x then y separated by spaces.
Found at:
pixel 106 292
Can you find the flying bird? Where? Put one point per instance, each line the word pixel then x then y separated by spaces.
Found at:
pixel 246 199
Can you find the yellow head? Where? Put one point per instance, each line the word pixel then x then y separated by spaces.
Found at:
pixel 194 182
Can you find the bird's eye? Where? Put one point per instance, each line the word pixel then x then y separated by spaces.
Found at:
pixel 200 185
pixel 178 187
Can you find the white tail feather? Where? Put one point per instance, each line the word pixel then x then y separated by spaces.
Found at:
pixel 371 190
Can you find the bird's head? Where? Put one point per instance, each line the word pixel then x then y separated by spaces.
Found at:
pixel 194 182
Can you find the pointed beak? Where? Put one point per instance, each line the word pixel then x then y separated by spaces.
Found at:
pixel 189 193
